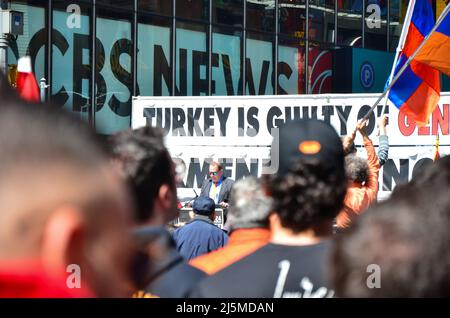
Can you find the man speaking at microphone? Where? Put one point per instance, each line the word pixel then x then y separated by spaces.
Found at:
pixel 217 186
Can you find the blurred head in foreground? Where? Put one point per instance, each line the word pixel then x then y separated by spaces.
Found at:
pixel 400 247
pixel 59 206
pixel 146 165
pixel 309 188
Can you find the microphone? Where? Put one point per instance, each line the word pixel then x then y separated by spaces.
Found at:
pixel 190 201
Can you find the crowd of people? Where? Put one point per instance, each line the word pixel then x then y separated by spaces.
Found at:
pixel 85 217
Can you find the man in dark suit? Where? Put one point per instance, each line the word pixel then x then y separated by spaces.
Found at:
pixel 217 186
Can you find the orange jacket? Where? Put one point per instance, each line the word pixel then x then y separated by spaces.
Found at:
pixel 241 243
pixel 359 197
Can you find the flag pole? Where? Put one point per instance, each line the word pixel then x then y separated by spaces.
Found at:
pixel 400 72
pixel 436 148
pixel 401 44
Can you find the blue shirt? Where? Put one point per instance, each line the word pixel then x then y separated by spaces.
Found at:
pixel 199 236
pixel 215 196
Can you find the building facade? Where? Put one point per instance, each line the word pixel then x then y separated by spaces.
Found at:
pixel 201 47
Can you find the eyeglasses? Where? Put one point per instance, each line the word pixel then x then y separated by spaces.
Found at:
pixel 215 174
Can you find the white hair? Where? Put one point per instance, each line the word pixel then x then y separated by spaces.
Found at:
pixel 249 206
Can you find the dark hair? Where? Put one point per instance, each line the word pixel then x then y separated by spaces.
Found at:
pixel 356 168
pixel 307 194
pixel 406 238
pixel 146 165
pixel 428 176
pixel 41 135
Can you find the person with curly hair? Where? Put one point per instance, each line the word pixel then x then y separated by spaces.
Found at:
pixel 362 175
pixel 307 192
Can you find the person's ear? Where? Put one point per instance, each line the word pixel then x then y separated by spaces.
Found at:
pixel 165 206
pixel 166 197
pixel 63 239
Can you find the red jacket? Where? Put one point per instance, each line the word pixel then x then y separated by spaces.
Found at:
pixel 359 197
pixel 28 280
pixel 241 243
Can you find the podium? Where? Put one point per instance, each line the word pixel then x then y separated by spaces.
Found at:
pixel 184 216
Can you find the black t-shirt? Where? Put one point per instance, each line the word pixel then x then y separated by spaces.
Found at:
pixel 273 271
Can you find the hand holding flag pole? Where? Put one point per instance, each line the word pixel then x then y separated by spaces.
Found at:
pixel 400 72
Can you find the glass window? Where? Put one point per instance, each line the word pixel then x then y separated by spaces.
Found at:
pixel 259 64
pixel 320 70
pixel 229 12
pixel 125 4
pixel 397 12
pixel 191 60
pixel 72 60
pixel 33 42
pixel 291 65
pixel 321 21
pixel 260 16
pixel 154 68
pixel 376 25
pixel 226 62
pixel 350 23
pixel 193 9
pixel 163 7
pixel 292 17
pixel 114 75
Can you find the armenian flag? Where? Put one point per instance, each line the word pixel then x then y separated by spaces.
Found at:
pixel 417 91
pixel 436 51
